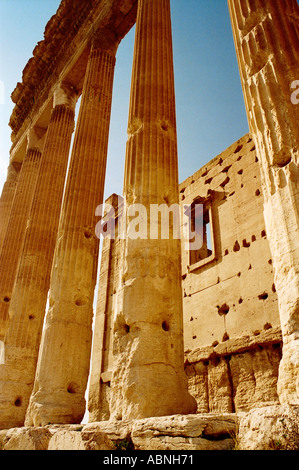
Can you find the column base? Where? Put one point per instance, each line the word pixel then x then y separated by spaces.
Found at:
pixel 13 400
pixel 149 391
pixel 62 410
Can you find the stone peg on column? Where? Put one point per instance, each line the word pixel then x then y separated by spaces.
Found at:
pixel 63 366
pixel 266 36
pixel 29 296
pixel 18 219
pixel 148 377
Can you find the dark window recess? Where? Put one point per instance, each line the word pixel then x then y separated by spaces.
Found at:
pixel 200 230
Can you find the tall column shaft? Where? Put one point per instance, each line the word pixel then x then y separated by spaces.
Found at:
pixel 16 227
pixel 266 35
pixel 63 366
pixel 148 377
pixel 7 197
pixel 29 297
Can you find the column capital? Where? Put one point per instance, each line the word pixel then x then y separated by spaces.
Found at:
pixel 35 138
pixel 106 40
pixel 65 94
pixel 13 170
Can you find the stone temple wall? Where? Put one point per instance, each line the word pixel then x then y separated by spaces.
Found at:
pixel 231 321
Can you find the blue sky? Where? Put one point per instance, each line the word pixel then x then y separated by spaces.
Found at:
pixel 210 106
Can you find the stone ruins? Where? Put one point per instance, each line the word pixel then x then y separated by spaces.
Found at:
pixel 187 348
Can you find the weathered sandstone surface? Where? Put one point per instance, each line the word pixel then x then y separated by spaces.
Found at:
pixel 266 428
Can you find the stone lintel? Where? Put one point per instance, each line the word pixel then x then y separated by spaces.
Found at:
pixel 235 346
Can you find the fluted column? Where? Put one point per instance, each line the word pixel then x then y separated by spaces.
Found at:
pixel 266 35
pixel 16 227
pixel 148 377
pixel 63 366
pixel 29 297
pixel 7 197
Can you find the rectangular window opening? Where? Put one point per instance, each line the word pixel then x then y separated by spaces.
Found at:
pixel 200 228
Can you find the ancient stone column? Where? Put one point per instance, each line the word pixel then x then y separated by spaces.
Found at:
pixel 63 367
pixel 7 197
pixel 29 296
pixel 18 219
pixel 148 377
pixel 266 35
